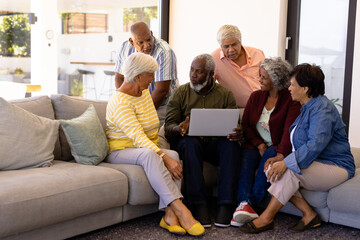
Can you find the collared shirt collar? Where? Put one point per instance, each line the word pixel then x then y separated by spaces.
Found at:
pixel 310 103
pixel 248 57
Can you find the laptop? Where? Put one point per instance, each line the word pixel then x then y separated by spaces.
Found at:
pixel 213 122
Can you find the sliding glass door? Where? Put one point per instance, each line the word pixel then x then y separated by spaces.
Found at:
pixel 321 32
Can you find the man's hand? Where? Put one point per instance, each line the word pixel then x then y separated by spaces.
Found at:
pixel 275 172
pixel 236 136
pixel 183 127
pixel 174 167
pixel 271 161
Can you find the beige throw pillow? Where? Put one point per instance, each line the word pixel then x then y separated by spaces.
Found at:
pixel 26 140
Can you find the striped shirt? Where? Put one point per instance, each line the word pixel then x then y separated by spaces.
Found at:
pixel 132 122
pixel 163 55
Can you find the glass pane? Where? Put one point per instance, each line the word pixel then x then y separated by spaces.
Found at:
pixel 322 41
pixel 86 60
pixel 58 53
pixel 15 52
pixel 76 23
pixel 96 23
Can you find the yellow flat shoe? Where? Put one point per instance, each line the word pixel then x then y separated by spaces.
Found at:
pixel 196 230
pixel 173 229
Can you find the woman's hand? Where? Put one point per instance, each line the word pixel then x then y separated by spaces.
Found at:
pixel 174 167
pixel 236 136
pixel 262 148
pixel 276 171
pixel 273 160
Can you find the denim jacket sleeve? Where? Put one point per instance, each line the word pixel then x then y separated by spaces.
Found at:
pixel 313 133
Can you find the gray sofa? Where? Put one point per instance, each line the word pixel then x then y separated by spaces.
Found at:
pixel 340 205
pixel 68 199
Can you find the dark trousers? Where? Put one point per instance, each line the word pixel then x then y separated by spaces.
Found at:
pixel 249 189
pixel 220 152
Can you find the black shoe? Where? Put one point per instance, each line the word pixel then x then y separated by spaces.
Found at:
pixel 251 228
pixel 300 226
pixel 224 215
pixel 201 213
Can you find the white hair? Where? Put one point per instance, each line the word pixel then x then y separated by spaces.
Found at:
pixel 228 31
pixel 138 63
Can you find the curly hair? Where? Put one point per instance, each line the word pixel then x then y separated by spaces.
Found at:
pixel 278 70
pixel 310 76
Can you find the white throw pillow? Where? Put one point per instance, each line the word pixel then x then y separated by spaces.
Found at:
pixel 26 140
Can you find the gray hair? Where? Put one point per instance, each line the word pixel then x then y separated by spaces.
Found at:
pixel 278 70
pixel 138 63
pixel 228 31
pixel 209 61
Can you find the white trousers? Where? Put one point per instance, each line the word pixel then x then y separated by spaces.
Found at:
pixel 317 177
pixel 155 170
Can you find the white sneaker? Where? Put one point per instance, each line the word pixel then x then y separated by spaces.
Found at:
pixel 244 213
pixel 235 223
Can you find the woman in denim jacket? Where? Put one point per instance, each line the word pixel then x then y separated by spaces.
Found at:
pixel 320 159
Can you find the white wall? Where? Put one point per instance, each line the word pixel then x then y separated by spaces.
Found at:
pixel 354 126
pixel 193 27
pixel 43 50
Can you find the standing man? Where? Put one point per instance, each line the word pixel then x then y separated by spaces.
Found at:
pixel 142 40
pixel 203 92
pixel 237 66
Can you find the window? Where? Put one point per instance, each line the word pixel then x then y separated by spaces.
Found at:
pixel 143 14
pixel 14 35
pixel 73 23
pixel 318 37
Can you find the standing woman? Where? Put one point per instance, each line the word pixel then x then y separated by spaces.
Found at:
pixel 268 115
pixel 321 157
pixel 132 132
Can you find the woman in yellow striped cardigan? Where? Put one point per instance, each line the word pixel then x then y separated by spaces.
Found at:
pixel 132 132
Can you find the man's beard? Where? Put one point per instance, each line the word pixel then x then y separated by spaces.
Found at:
pixel 199 87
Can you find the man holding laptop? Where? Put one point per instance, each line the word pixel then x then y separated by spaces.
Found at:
pixel 221 149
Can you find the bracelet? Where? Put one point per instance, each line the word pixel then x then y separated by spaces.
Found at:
pixel 162 155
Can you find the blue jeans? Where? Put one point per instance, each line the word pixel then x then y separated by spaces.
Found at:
pixel 221 152
pixel 250 190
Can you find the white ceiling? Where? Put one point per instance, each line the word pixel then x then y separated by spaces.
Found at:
pixel 77 5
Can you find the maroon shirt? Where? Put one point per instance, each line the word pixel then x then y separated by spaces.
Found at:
pixel 285 112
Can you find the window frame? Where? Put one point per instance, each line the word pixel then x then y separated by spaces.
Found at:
pixel 292 52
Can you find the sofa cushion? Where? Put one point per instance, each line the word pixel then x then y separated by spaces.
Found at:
pixel 345 197
pixel 41 106
pixel 86 137
pixel 59 193
pixel 27 140
pixel 66 107
pixel 315 199
pixel 140 190
pixel 356 153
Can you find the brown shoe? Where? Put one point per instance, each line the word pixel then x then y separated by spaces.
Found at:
pixel 300 226
pixel 251 228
